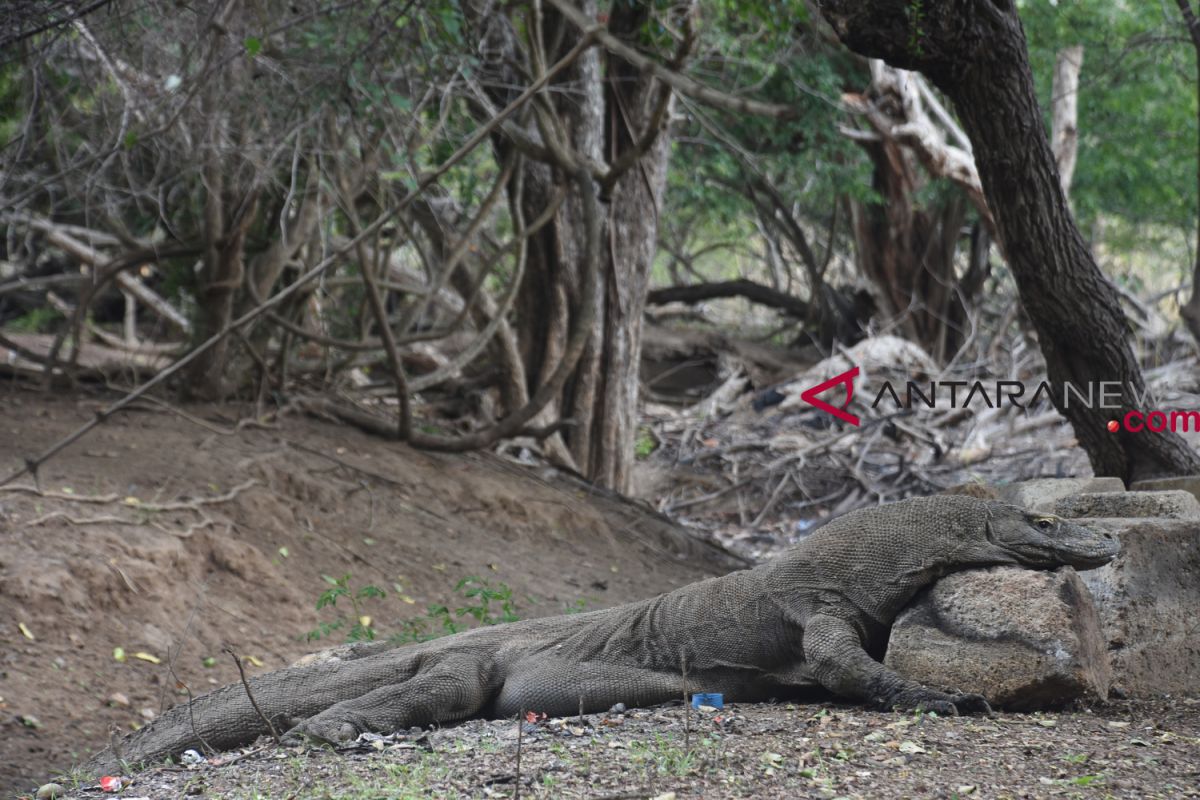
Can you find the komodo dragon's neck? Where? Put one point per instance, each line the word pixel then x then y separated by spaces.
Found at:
pixel 876 561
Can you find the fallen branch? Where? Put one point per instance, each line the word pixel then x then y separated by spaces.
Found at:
pixel 190 505
pixel 246 685
pixel 108 520
pixel 751 290
pixel 194 505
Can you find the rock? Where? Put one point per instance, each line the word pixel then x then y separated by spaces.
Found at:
pixel 1043 493
pixel 1023 639
pixel 1183 483
pixel 48 791
pixel 1161 505
pixel 1149 602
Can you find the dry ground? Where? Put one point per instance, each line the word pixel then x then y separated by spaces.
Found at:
pixel 752 751
pixel 132 553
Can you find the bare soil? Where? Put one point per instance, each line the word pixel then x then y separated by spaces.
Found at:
pixel 170 537
pixel 1123 750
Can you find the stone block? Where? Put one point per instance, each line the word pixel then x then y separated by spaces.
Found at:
pixel 1043 493
pixel 1022 638
pixel 1149 603
pixel 1184 483
pixel 1158 505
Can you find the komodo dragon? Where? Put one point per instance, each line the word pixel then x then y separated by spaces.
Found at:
pixel 818 616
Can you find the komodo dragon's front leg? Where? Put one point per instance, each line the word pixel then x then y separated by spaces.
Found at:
pixel 835 654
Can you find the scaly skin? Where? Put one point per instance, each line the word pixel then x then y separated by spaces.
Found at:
pixel 817 616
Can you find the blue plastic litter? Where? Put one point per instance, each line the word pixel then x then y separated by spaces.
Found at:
pixel 713 699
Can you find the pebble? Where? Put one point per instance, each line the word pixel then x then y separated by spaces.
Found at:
pixel 48 791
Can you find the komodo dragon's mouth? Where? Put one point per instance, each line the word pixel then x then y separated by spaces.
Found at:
pixel 1081 547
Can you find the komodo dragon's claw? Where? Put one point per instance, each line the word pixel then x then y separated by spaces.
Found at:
pixel 316 731
pixel 970 703
pixel 942 702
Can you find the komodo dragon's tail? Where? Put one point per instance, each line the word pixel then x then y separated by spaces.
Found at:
pixel 225 718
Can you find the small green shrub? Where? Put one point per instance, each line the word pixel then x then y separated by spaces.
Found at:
pixel 482 601
pixel 361 625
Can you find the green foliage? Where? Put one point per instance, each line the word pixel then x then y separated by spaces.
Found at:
pixel 38 320
pixel 916 26
pixel 487 604
pixel 1137 106
pixel 10 102
pixel 482 602
pixel 773 48
pixel 577 606
pixel 359 625
pixel 645 444
pixel 662 757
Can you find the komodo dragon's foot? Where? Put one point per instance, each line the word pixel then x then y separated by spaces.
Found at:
pixel 328 729
pixel 940 702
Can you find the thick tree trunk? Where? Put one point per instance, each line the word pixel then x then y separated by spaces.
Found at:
pixel 907 252
pixel 1191 311
pixel 905 249
pixel 609 108
pixel 976 54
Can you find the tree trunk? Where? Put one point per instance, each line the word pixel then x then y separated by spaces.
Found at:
pixel 609 109
pixel 905 249
pixel 1064 112
pixel 907 252
pixel 976 54
pixel 1191 311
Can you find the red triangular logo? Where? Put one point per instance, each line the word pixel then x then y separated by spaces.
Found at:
pixel 810 396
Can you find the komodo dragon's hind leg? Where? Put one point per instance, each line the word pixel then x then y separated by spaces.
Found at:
pixel 557 686
pixel 447 691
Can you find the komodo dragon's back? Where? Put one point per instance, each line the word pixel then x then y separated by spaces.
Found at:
pixel 807 618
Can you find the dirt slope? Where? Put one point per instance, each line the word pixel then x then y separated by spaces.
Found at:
pixel 210 535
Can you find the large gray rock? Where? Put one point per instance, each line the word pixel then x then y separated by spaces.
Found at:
pixel 1159 505
pixel 1024 639
pixel 1149 601
pixel 1041 494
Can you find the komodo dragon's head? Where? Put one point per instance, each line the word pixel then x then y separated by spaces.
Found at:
pixel 1044 541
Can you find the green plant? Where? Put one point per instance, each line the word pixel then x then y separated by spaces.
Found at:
pixel 645 444
pixel 36 320
pixel 484 595
pixel 577 606
pixel 662 757
pixel 916 18
pixel 484 602
pixel 361 624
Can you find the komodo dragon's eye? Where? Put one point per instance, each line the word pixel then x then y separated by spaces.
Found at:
pixel 1045 524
